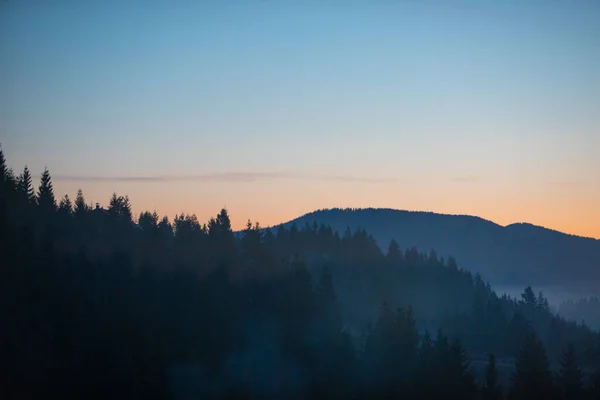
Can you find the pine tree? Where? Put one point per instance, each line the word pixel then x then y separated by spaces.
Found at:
pixel 570 376
pixel 165 227
pixel 80 206
pixel 532 378
pixel 7 179
pixel 3 168
pixel 114 204
pixel 120 208
pixel 328 303
pixel 46 199
pixel 126 212
pixel 380 357
pixel 491 390
pixel 25 187
pixel 529 297
pixel 223 221
pixel 223 244
pixel 408 339
pixel 516 333
pixel 148 221
pixel 462 380
pixel 65 206
pixel 394 254
pixel 542 302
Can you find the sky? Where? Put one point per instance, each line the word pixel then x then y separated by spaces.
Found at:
pixel 275 108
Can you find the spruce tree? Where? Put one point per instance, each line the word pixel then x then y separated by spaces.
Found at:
pixel 65 206
pixel 120 208
pixel 408 340
pixel 223 221
pixel 394 254
pixel 114 205
pixel 328 303
pixel 532 378
pixel 491 390
pixel 25 187
pixel 7 179
pixel 126 212
pixel 462 381
pixel 529 298
pixel 379 357
pixel 570 376
pixel 3 167
pixel 46 199
pixel 166 230
pixel 80 206
pixel 542 302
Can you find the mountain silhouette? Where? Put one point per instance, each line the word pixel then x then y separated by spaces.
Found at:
pixel 517 255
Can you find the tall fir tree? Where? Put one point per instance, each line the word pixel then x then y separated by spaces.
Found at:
pixel 3 167
pixel 25 187
pixel 570 375
pixel 394 254
pixel 7 178
pixel 529 298
pixel 45 198
pixel 80 206
pixel 491 390
pixel 542 302
pixel 65 206
pixel 532 378
pixel 120 208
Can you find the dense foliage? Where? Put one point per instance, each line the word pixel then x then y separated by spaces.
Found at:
pixel 585 310
pixel 97 304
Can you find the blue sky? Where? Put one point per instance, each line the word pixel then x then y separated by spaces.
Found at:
pixel 482 107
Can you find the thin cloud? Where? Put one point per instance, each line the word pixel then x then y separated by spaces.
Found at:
pixel 570 182
pixel 223 177
pixel 466 178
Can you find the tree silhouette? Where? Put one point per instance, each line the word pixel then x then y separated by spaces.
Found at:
pixel 45 198
pixel 532 378
pixel 65 206
pixel 491 390
pixel 7 183
pixel 25 187
pixel 542 302
pixel 80 206
pixel 570 376
pixel 394 254
pixel 528 297
pixel 3 167
pixel 120 208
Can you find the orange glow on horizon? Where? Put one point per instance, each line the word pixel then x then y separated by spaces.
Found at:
pixel 271 203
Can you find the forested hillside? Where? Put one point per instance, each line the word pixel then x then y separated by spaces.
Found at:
pixel 99 304
pixel 517 255
pixel 585 310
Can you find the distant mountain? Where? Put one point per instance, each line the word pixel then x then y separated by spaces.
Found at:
pixel 516 255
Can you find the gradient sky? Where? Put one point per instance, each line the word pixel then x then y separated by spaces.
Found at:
pixel 275 108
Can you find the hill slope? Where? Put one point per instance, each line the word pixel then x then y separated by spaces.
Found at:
pixel 519 254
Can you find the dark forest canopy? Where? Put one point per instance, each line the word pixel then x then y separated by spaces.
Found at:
pixel 586 310
pixel 97 303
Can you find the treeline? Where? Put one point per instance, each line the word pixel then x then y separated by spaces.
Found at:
pixel 586 310
pixel 96 304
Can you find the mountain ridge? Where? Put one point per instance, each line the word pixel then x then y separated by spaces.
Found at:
pixel 516 254
pixel 511 225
